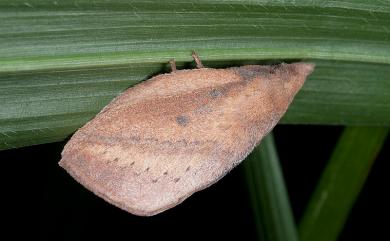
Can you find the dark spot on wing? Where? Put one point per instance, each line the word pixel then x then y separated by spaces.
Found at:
pixel 188 168
pixel 165 173
pixel 182 120
pixel 176 179
pixel 215 93
pixel 147 169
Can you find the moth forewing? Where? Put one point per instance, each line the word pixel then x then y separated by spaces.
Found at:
pixel 174 134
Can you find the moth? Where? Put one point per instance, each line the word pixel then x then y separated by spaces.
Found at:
pixel 175 134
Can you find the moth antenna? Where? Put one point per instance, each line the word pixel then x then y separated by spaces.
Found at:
pixel 198 62
pixel 172 62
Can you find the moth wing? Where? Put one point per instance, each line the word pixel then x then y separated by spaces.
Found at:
pixel 164 139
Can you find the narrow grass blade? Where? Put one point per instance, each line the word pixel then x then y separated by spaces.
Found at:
pixel 341 182
pixel 62 61
pixel 271 206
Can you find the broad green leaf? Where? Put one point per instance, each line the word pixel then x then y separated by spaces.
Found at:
pixel 62 61
pixel 341 182
pixel 271 207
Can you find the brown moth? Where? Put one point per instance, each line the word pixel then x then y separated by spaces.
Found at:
pixel 175 134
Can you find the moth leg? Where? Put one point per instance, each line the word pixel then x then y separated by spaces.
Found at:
pixel 199 64
pixel 172 62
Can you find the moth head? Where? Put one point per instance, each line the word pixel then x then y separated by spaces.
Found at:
pixel 291 77
pixel 287 80
pixel 294 75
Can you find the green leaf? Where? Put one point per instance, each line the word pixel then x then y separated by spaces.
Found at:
pixel 341 182
pixel 269 198
pixel 62 61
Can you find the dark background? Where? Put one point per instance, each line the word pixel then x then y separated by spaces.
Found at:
pixel 43 201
